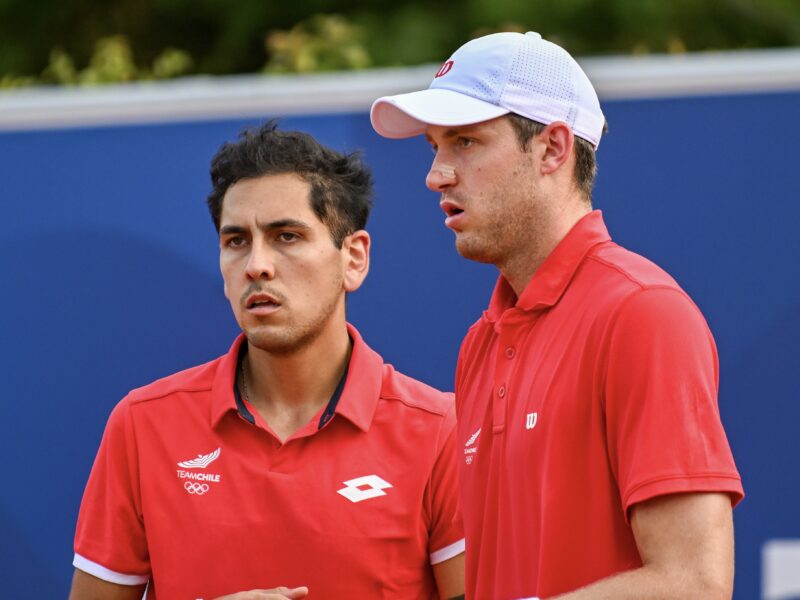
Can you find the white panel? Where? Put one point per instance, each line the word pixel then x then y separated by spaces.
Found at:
pixel 780 570
pixel 202 97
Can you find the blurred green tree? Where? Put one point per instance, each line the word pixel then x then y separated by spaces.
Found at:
pixel 321 43
pixel 113 62
pixel 218 37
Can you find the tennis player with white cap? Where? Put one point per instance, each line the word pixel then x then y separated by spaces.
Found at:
pixel 595 464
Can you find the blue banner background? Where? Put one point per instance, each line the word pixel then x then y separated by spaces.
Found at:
pixel 109 264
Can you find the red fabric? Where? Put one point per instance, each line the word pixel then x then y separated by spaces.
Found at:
pixel 595 390
pixel 274 516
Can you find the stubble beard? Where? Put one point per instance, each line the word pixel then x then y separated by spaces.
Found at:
pixel 476 244
pixel 472 247
pixel 496 242
pixel 291 338
pixel 509 226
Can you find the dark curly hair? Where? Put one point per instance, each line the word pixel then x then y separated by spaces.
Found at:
pixel 341 184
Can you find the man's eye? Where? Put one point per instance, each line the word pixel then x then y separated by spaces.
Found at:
pixel 235 242
pixel 288 236
pixel 465 142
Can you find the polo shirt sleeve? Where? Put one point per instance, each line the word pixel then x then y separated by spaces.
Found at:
pixel 446 538
pixel 110 541
pixel 663 423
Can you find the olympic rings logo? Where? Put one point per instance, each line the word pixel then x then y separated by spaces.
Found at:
pixel 196 488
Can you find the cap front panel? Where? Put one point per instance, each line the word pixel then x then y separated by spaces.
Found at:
pixel 479 69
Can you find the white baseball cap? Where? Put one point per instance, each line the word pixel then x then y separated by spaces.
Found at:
pixel 492 76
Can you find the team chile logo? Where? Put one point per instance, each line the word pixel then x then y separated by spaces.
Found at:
pixel 198 483
pixel 470 448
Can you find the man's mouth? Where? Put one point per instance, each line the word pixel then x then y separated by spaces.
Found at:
pixel 454 214
pixel 450 208
pixel 261 301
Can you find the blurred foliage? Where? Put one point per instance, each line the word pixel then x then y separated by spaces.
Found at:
pixel 321 43
pixel 112 62
pixel 44 40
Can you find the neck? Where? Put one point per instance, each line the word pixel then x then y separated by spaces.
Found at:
pixel 289 389
pixel 546 234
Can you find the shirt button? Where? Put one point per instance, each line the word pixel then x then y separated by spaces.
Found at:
pixel 502 391
pixel 510 352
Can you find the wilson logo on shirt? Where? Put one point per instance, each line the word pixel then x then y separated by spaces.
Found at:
pixel 531 419
pixel 469 449
pixel 198 483
pixel 364 488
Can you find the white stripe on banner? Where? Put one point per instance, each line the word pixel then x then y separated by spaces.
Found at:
pixel 780 570
pixel 237 96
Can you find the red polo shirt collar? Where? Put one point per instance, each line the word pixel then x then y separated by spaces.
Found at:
pixel 553 276
pixel 359 399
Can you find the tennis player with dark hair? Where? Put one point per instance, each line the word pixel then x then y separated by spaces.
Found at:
pixel 299 457
pixel 594 463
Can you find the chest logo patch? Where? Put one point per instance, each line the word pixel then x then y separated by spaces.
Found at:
pixel 198 483
pixel 531 419
pixel 196 488
pixel 364 488
pixel 470 448
pixel 202 460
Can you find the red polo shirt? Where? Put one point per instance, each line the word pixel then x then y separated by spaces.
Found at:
pixel 192 492
pixel 595 390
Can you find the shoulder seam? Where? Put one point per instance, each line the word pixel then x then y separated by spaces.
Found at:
pixel 429 409
pixel 619 309
pixel 178 389
pixel 618 269
pixel 637 293
pixel 640 284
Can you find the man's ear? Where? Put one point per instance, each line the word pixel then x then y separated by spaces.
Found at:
pixel 558 140
pixel 355 254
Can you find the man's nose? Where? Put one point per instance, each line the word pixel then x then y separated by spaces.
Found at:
pixel 441 177
pixel 260 263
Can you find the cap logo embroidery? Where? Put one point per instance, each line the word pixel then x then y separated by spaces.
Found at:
pixel 445 69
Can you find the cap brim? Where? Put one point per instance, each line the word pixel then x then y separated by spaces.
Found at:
pixel 407 115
